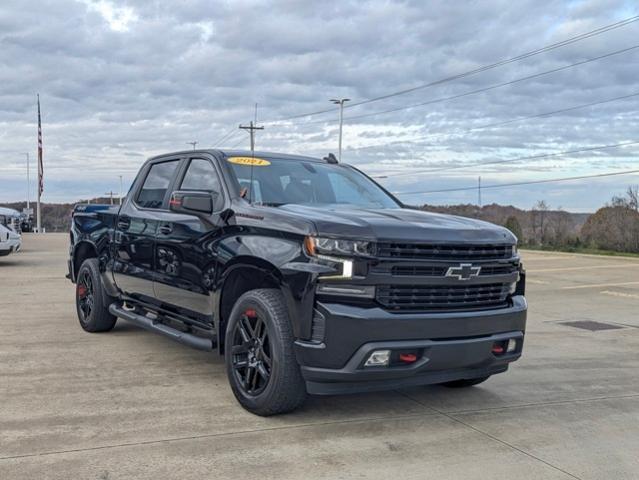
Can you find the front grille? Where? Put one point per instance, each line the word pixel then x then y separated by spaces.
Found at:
pixel 418 270
pixel 442 297
pixel 421 251
pixel 430 271
pixel 498 269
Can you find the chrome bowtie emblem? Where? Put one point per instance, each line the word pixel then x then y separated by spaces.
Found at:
pixel 465 271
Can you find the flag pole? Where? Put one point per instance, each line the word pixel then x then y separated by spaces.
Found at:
pixel 40 170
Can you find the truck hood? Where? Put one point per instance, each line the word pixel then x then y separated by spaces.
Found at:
pixel 399 225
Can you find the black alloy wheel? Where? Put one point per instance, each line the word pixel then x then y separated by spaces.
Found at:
pixel 260 359
pixel 251 353
pixel 85 294
pixel 92 302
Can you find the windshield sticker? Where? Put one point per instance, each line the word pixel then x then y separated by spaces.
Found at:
pixel 256 162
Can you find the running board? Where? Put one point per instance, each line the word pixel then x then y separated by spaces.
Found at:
pixel 141 321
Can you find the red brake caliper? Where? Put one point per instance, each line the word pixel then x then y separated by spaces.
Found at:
pixel 82 291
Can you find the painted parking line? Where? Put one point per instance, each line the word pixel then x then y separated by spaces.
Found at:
pixel 600 285
pixel 620 294
pixel 589 267
pixel 550 254
pixel 537 282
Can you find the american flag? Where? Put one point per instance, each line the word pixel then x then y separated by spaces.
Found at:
pixel 40 167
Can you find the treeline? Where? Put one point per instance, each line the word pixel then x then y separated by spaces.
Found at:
pixel 614 227
pixel 56 217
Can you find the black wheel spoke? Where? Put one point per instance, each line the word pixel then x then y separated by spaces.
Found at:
pixel 259 326
pixel 240 349
pixel 266 359
pixel 261 369
pixel 248 379
pixel 239 364
pixel 247 324
pixel 254 379
pixel 246 337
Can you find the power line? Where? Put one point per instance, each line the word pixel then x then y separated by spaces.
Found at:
pixel 522 56
pixel 547 114
pixel 237 143
pixel 519 119
pixel 531 182
pixel 511 160
pixel 226 136
pixel 481 90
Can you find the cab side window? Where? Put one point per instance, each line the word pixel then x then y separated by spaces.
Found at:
pixel 201 176
pixel 155 185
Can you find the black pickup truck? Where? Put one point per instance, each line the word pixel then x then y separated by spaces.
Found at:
pixel 309 277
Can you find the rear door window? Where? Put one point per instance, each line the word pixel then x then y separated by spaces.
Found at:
pixel 156 184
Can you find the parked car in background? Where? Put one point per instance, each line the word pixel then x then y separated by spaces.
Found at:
pixel 11 218
pixel 10 241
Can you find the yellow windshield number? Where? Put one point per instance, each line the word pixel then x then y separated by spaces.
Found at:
pixel 256 162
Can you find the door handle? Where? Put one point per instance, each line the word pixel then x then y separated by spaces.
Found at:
pixel 166 229
pixel 123 223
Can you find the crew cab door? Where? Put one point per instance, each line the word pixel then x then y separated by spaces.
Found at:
pixel 186 256
pixel 136 228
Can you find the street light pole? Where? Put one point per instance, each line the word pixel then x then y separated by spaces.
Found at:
pixel 193 144
pixel 340 102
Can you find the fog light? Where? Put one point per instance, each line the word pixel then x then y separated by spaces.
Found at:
pixel 379 358
pixel 512 345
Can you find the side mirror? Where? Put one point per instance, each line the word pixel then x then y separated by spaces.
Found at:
pixel 192 203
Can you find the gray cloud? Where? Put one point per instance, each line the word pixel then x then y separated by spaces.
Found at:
pixel 123 80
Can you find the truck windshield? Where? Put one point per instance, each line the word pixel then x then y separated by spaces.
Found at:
pixel 280 181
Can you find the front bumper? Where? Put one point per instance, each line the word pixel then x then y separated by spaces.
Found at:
pixel 10 246
pixel 450 346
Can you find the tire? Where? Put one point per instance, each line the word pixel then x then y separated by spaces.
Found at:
pixel 466 382
pixel 93 311
pixel 260 362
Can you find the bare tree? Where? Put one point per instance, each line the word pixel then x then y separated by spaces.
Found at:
pixel 560 222
pixel 633 197
pixel 539 221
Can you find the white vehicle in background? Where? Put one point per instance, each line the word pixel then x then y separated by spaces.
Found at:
pixel 10 241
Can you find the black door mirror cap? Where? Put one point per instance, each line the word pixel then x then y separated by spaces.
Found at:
pixel 193 203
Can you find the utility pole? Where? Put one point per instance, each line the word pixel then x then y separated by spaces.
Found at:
pixel 340 102
pixel 193 144
pixel 251 127
pixel 120 189
pixel 28 182
pixel 479 191
pixel 111 195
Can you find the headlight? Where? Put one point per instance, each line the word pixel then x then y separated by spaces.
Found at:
pixel 332 246
pixel 337 253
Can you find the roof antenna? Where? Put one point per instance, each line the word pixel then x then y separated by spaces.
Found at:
pixel 331 159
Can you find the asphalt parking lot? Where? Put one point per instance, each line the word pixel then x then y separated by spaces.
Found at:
pixel 133 405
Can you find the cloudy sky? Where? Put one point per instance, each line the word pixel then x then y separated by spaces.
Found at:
pixel 123 80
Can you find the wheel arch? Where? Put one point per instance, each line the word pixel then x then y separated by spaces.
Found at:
pixel 244 274
pixel 81 252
